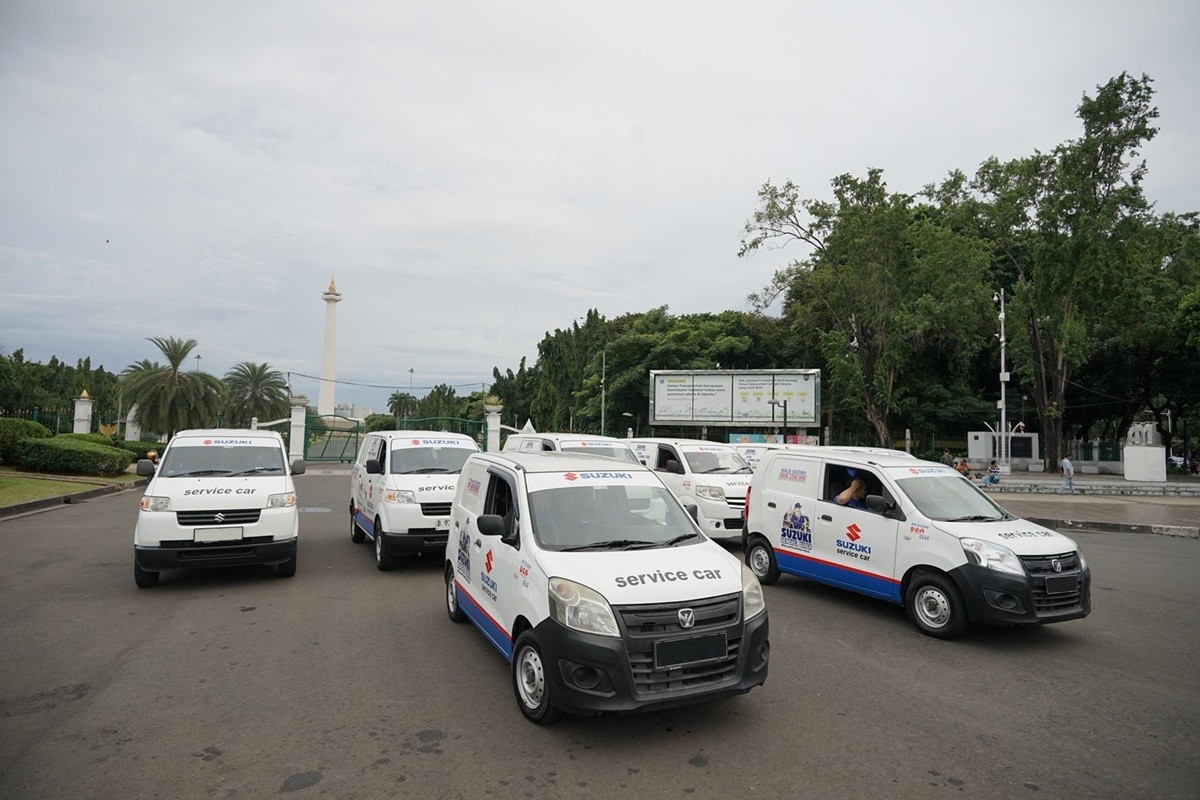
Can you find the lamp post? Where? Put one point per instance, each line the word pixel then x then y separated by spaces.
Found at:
pixel 1005 436
pixel 603 374
pixel 783 403
pixel 638 425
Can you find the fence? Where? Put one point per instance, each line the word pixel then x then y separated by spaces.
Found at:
pixel 331 438
pixel 55 420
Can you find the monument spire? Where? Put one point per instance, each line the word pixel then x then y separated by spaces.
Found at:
pixel 332 297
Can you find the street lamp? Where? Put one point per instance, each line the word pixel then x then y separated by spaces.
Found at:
pixel 638 424
pixel 1005 434
pixel 783 403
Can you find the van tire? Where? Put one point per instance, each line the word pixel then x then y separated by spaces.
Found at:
pixel 288 568
pixel 357 535
pixel 453 610
pixel 531 682
pixel 144 578
pixel 760 558
pixel 936 606
pixel 383 560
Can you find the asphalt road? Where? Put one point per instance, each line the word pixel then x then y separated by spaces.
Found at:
pixel 345 682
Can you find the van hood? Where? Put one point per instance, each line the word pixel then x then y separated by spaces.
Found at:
pixel 428 487
pixel 665 575
pixel 1023 537
pixel 206 493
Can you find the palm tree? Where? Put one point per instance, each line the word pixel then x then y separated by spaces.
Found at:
pixel 254 390
pixel 169 399
pixel 401 404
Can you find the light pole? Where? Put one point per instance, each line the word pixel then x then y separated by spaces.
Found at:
pixel 603 374
pixel 638 426
pixel 783 403
pixel 1005 465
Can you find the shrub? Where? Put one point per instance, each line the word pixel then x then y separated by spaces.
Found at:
pixel 95 438
pixel 380 422
pixel 14 430
pixel 66 456
pixel 139 449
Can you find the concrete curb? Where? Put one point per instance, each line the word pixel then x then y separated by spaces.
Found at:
pixel 1180 531
pixel 18 509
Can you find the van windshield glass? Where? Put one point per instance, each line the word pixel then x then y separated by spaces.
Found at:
pixel 951 500
pixel 704 462
pixel 242 460
pixel 617 452
pixel 609 518
pixel 428 460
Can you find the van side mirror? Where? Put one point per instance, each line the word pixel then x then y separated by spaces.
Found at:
pixel 674 466
pixel 373 467
pixel 693 510
pixel 491 525
pixel 298 466
pixel 880 505
pixel 145 468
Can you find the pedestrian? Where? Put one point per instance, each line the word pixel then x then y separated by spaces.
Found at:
pixel 993 476
pixel 947 459
pixel 964 468
pixel 1068 474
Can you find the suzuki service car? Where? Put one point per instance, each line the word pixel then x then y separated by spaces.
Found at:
pixel 217 498
pixel 595 584
pixel 709 475
pixel 401 486
pixel 912 532
pixel 571 443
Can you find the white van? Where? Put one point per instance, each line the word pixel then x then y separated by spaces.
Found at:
pixel 217 498
pixel 754 452
pixel 708 475
pixel 911 532
pixel 571 443
pixel 401 486
pixel 596 585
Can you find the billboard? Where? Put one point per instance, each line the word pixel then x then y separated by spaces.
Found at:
pixel 725 398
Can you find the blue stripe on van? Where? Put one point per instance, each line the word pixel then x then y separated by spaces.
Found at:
pixel 365 522
pixel 492 631
pixel 855 580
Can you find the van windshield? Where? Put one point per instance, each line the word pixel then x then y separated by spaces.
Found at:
pixel 616 451
pixel 609 518
pixel 951 500
pixel 713 461
pixel 243 460
pixel 428 460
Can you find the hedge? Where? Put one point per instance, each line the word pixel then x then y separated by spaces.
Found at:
pixel 94 438
pixel 66 456
pixel 14 430
pixel 139 449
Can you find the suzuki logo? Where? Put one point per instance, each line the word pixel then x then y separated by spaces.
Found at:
pixel 1054 562
pixel 219 517
pixel 687 617
pixel 854 532
pixel 487 561
pixel 571 476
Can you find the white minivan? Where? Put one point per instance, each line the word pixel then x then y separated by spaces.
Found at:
pixel 217 498
pixel 910 532
pixel 711 476
pixel 401 486
pixel 571 443
pixel 596 585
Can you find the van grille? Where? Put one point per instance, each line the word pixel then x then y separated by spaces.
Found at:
pixel 1044 565
pixel 658 619
pixel 738 501
pixel 239 516
pixel 1039 567
pixel 435 509
pixel 649 681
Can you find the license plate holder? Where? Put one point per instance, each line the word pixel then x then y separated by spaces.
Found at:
pixel 1061 584
pixel 442 524
pixel 673 653
pixel 217 534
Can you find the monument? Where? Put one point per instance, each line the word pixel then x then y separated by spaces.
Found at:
pixel 332 297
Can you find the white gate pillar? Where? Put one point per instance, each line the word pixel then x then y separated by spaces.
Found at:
pixel 83 413
pixel 133 428
pixel 493 426
pixel 296 437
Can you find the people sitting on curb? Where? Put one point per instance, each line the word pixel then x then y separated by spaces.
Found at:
pixel 964 468
pixel 993 475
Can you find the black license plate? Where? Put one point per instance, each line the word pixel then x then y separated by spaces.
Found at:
pixel 683 652
pixel 1061 584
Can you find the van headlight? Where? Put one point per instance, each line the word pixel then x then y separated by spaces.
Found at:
pixel 752 594
pixel 399 496
pixel 579 608
pixel 711 493
pixel 992 556
pixel 155 504
pixel 281 500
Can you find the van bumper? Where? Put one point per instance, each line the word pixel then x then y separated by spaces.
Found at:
pixel 580 658
pixel 417 540
pixel 999 598
pixel 223 554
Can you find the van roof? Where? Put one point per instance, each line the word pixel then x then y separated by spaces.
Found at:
pixel 558 461
pixel 880 458
pixel 229 433
pixel 395 435
pixel 559 436
pixel 668 440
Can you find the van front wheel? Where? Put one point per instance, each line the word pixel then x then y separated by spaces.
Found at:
pixel 356 533
pixel 144 578
pixel 936 606
pixel 288 568
pixel 383 559
pixel 531 682
pixel 453 610
pixel 760 558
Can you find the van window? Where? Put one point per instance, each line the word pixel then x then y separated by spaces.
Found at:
pixel 950 499
pixel 707 462
pixel 185 461
pixel 617 451
pixel 499 501
pixel 426 460
pixel 628 517
pixel 839 476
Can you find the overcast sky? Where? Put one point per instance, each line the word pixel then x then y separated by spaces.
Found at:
pixel 475 174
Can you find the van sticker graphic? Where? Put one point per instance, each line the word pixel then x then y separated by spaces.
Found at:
pixel 928 470
pixel 796 533
pixel 920 530
pixel 463 567
pixel 473 486
pixel 227 442
pixel 486 581
pixel 588 476
pixel 523 571
pixel 852 548
pixel 1027 535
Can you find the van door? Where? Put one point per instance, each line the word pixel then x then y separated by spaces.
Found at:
pixel 364 498
pixel 495 561
pixel 680 485
pixel 857 546
pixel 787 511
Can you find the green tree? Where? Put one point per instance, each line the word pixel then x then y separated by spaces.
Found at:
pixel 168 398
pixel 401 404
pixel 254 390
pixel 440 402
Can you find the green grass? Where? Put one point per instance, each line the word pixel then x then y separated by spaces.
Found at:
pixel 18 489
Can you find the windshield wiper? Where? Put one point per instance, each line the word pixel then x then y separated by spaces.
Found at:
pixel 681 538
pixel 424 470
pixel 255 471
pixel 612 544
pixel 197 472
pixel 975 518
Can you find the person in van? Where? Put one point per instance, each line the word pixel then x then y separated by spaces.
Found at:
pixel 854 495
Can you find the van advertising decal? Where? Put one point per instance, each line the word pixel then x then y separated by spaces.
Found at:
pixel 486 581
pixel 919 530
pixel 670 576
pixel 473 486
pixel 1027 534
pixel 523 571
pixel 218 490
pixel 793 475
pixel 228 442
pixel 852 548
pixel 437 443
pixel 796 533
pixel 463 567
pixel 446 487
pixel 594 476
